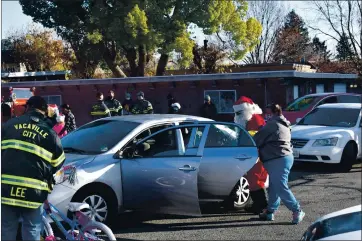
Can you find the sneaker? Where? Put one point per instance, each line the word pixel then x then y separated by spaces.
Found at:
pixel 298 217
pixel 266 216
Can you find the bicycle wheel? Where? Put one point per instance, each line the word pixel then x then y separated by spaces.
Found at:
pixel 97 231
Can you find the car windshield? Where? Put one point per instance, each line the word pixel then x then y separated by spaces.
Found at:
pixel 333 226
pixel 97 137
pixel 301 103
pixel 339 117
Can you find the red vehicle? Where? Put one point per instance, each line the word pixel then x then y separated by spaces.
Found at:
pixel 18 98
pixel 301 106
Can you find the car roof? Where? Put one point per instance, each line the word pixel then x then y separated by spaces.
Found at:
pixel 353 209
pixel 151 118
pixel 329 93
pixel 342 105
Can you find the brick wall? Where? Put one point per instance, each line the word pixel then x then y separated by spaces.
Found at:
pixel 191 98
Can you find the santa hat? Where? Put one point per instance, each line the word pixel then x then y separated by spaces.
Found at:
pixel 246 104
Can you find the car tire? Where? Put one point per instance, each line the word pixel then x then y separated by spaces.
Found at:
pixel 102 202
pixel 239 197
pixel 349 156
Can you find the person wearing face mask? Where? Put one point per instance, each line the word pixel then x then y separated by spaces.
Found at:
pixel 176 109
pixel 60 126
pixel 113 104
pixel 127 104
pixel 142 106
pixel 100 109
pixel 31 153
pixel 208 109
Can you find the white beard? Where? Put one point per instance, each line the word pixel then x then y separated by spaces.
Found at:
pixel 248 111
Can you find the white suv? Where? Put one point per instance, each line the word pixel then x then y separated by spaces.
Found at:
pixel 331 133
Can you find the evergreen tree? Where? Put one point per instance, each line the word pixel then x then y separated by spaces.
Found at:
pixel 320 50
pixel 293 40
pixel 344 48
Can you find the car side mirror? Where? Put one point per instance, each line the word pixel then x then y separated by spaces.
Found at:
pixel 128 152
pixel 298 120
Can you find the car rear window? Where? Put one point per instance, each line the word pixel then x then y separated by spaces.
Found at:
pixel 97 137
pixel 302 103
pixel 333 226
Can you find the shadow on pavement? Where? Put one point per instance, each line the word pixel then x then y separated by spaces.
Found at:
pixel 146 227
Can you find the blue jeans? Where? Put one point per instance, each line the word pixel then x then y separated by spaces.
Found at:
pixel 31 225
pixel 279 170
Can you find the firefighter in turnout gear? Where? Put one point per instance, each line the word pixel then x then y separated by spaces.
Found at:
pixel 142 106
pixel 31 153
pixel 100 109
pixel 114 106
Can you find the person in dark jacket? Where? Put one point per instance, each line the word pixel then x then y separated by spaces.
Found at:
pixel 113 104
pixel 127 104
pixel 171 100
pixel 276 153
pixel 70 124
pixel 5 112
pixel 208 109
pixel 31 153
pixel 100 109
pixel 142 106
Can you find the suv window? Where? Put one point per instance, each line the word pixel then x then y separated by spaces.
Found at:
pixel 349 99
pixel 227 136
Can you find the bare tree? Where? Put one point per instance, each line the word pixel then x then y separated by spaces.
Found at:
pixel 271 15
pixel 342 18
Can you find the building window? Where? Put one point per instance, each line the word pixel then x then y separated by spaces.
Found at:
pixel 53 99
pixel 223 100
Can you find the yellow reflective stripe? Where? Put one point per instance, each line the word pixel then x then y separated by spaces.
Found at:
pixel 99 113
pixel 24 182
pixel 59 160
pixel 28 147
pixel 19 203
pixel 32 148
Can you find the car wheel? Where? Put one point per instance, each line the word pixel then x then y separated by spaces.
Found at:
pixel 103 206
pixel 349 156
pixel 240 195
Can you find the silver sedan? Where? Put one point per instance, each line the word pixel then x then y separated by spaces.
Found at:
pixel 156 163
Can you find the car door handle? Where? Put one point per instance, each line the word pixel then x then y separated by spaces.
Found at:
pixel 243 157
pixel 187 168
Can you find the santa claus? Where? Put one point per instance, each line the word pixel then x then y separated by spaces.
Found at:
pixel 249 115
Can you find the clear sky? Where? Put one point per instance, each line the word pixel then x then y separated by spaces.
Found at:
pixel 13 17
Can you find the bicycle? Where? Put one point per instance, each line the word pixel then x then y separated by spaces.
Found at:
pixel 81 226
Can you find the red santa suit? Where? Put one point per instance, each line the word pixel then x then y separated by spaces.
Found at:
pixel 249 115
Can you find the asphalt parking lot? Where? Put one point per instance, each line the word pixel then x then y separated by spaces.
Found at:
pixel 319 191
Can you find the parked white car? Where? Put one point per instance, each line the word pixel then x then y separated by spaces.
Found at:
pixel 158 163
pixel 330 133
pixel 341 225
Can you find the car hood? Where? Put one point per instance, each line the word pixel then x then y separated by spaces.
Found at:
pixel 318 132
pixel 72 158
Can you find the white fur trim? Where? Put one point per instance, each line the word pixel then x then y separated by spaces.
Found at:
pixel 248 110
pixel 60 118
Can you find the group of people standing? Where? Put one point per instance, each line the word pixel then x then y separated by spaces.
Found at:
pixel 110 106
